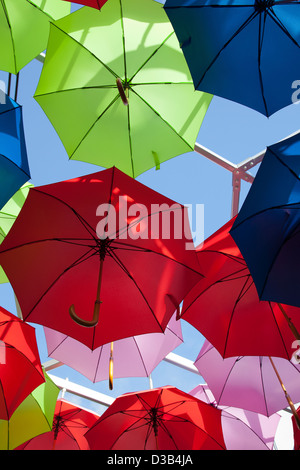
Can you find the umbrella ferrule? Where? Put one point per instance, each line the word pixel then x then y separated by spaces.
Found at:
pixel 262 5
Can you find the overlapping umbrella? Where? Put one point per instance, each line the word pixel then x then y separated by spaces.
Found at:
pixel 266 229
pixel 24 30
pixel 91 3
pixel 20 367
pixel 242 429
pixel 226 309
pixel 14 168
pixel 70 423
pixel 260 384
pixel 247 52
pixel 34 416
pixel 131 357
pixel 160 419
pixel 122 269
pixel 117 89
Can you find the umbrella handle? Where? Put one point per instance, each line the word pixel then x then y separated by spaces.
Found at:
pixel 121 91
pixel 111 367
pixel 86 323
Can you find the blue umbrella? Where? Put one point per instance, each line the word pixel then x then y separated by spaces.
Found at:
pixel 14 170
pixel 267 228
pixel 244 50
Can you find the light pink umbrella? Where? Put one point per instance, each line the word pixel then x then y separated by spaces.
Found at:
pixel 136 356
pixel 242 429
pixel 261 384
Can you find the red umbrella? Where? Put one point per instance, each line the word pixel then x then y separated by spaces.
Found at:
pixel 226 309
pixel 93 241
pixel 69 426
pixel 20 367
pixel 160 419
pixel 91 3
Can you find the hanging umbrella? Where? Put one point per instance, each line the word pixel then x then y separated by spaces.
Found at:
pixel 99 240
pixel 160 419
pixel 260 384
pixel 242 429
pixel 225 307
pixel 34 416
pixel 132 357
pixel 70 423
pixel 91 3
pixel 14 170
pixel 117 89
pixel 247 52
pixel 8 215
pixel 20 368
pixel 267 227
pixel 24 30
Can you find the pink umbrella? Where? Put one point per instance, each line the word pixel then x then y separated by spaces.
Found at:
pixel 242 429
pixel 136 356
pixel 254 383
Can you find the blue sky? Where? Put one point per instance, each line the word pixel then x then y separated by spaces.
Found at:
pixel 229 129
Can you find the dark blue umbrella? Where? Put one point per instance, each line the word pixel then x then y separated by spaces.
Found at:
pixel 244 50
pixel 267 228
pixel 14 170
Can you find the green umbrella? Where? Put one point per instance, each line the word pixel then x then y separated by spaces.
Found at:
pixel 116 87
pixel 33 417
pixel 24 30
pixel 8 215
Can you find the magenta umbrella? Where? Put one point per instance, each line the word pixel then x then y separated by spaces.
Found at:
pixel 136 356
pixel 242 429
pixel 261 384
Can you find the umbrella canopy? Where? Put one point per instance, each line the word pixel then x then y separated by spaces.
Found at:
pixel 14 169
pixel 34 416
pixel 245 51
pixel 8 215
pixel 249 382
pixel 225 307
pixel 91 3
pixel 24 30
pixel 242 429
pixel 100 232
pixel 164 418
pixel 132 357
pixel 70 423
pixel 20 368
pixel 267 227
pixel 117 89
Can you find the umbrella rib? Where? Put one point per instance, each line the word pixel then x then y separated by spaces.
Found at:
pixel 260 42
pixel 279 23
pixel 141 357
pixel 153 53
pixel 15 164
pixel 243 26
pixel 86 50
pixel 164 121
pixel 123 39
pixel 75 263
pixel 129 137
pixel 279 331
pixel 123 267
pixel 262 384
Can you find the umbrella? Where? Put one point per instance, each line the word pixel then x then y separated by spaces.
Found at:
pixel 20 368
pixel 24 30
pixel 100 239
pixel 260 384
pixel 132 357
pixel 34 416
pixel 242 429
pixel 14 170
pixel 70 423
pixel 117 89
pixel 225 307
pixel 8 215
pixel 91 3
pixel 267 228
pixel 247 52
pixel 160 419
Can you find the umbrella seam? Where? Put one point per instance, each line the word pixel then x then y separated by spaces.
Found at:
pixel 11 33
